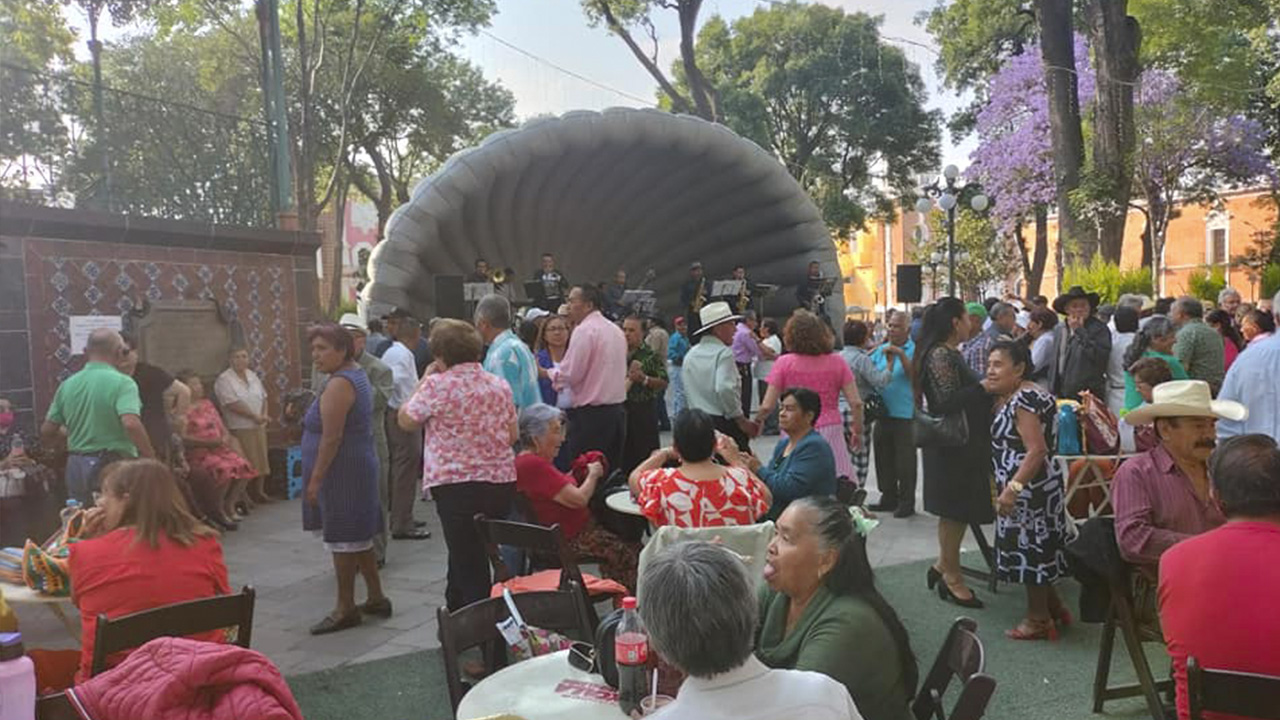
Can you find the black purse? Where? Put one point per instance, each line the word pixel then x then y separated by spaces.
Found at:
pixel 940 430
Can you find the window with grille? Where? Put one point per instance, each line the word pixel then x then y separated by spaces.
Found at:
pixel 1217 246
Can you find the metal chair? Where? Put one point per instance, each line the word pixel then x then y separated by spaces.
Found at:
pixel 1234 693
pixel 543 547
pixel 475 625
pixel 181 619
pixel 962 656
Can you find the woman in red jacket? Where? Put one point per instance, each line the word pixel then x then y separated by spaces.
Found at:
pixel 143 550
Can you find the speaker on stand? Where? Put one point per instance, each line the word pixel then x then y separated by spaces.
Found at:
pixel 909 284
pixel 450 302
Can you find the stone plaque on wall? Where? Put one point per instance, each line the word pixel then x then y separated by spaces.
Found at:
pixel 185 334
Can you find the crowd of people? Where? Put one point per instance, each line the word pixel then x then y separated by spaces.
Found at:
pixel 537 417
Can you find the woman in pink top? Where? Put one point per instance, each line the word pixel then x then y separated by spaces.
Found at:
pixel 812 363
pixel 468 463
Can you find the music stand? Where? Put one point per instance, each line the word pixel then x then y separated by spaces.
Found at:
pixel 727 288
pixel 639 301
pixel 535 292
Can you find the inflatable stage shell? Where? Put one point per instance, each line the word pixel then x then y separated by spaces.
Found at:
pixel 623 188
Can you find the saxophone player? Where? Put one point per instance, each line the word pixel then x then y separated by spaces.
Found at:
pixel 695 293
pixel 742 302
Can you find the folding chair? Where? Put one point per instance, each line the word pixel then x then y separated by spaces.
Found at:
pixel 56 707
pixel 475 625
pixel 961 656
pixel 544 547
pixel 987 576
pixel 181 619
pixel 1234 693
pixel 1121 616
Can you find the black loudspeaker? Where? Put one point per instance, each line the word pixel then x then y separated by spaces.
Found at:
pixel 449 297
pixel 909 290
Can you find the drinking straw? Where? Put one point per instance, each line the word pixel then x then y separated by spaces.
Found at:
pixel 653 701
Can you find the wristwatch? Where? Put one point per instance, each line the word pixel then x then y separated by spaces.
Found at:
pixel 1016 486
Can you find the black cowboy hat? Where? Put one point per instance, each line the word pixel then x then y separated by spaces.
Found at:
pixel 1060 302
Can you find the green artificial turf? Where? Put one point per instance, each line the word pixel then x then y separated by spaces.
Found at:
pixel 1036 680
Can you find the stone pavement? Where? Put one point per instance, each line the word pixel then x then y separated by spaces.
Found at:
pixel 293 577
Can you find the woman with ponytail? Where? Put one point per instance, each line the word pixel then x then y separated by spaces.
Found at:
pixel 1156 340
pixel 822 611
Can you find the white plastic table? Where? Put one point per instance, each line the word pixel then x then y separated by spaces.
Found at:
pixel 622 502
pixel 23 595
pixel 542 688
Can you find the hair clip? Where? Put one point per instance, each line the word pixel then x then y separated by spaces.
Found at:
pixel 862 524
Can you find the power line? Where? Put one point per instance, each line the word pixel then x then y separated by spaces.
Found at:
pixel 566 71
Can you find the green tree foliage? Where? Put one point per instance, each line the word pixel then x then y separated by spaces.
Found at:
pixel 1108 280
pixel 1270 281
pixel 1206 283
pixel 842 110
pixel 36 40
pixel 989 259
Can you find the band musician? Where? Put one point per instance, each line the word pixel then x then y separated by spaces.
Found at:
pixel 694 294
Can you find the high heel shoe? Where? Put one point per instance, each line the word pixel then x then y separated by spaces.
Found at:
pixel 1028 631
pixel 932 576
pixel 1062 616
pixel 945 593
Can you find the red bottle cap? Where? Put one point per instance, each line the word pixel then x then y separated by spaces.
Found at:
pixel 628 603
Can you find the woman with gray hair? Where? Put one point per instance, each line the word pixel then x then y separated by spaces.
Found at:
pixel 1155 339
pixel 700 609
pixel 556 497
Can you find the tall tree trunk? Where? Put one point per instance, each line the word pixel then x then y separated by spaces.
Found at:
pixel 1158 223
pixel 1057 48
pixel 1116 38
pixel 1040 255
pixel 1146 238
pixel 305 161
pixel 333 283
pixel 94 13
pixel 701 90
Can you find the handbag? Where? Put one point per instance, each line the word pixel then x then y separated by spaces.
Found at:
pixel 940 430
pixel 526 641
pixel 872 408
pixel 1101 428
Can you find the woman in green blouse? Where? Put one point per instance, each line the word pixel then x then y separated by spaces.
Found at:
pixel 821 610
pixel 1156 340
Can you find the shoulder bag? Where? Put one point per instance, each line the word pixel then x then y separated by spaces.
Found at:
pixel 950 430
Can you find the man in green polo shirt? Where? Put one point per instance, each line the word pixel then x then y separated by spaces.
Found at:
pixel 100 411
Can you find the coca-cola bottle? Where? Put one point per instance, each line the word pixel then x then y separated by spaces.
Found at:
pixel 631 652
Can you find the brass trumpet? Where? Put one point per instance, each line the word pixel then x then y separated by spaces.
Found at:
pixel 498 277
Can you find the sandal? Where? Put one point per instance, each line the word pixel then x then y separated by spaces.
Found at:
pixel 1061 616
pixel 1027 630
pixel 331 625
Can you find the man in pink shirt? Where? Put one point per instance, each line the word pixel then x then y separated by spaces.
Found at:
pixel 594 370
pixel 1218 590
pixel 746 350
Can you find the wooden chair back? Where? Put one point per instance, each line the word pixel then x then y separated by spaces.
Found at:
pixel 544 545
pixel 475 625
pixel 177 620
pixel 1232 693
pixel 961 656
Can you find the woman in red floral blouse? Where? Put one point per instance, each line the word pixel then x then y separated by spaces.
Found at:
pixel 211 448
pixel 699 492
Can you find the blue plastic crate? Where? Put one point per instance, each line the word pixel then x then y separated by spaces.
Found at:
pixel 293 471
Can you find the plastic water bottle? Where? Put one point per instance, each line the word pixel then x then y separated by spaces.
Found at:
pixel 17 680
pixel 70 510
pixel 631 652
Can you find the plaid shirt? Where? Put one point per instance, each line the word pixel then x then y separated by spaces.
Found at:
pixel 1199 348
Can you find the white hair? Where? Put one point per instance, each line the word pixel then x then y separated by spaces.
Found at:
pixel 1226 292
pixel 535 421
pixel 495 310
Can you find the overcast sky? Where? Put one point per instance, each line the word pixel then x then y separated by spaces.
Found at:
pixel 557 32
pixel 555 43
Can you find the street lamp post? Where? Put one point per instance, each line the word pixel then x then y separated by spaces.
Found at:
pixel 933 261
pixel 948 193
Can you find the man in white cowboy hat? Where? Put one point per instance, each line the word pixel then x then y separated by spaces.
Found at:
pixel 1162 496
pixel 380 381
pixel 710 374
pixel 1081 347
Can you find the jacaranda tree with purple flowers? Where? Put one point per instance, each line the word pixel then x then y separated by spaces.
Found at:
pixel 1188 152
pixel 1014 158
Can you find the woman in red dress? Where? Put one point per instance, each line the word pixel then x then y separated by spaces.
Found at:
pixel 211 447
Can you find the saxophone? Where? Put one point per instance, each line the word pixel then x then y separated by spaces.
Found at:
pixel 744 298
pixel 699 297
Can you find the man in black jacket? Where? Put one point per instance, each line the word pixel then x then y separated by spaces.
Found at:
pixel 1081 347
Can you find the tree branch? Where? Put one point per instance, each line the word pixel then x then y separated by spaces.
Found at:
pixel 678 102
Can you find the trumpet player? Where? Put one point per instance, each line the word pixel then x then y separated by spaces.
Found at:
pixel 481 272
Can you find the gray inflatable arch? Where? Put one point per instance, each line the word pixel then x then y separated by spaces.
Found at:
pixel 623 188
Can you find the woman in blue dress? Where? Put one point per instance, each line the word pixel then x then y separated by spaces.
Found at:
pixel 1031 522
pixel 341 468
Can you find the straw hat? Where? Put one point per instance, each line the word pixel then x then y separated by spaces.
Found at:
pixel 1185 398
pixel 716 313
pixel 352 321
